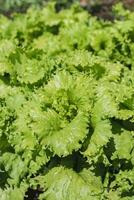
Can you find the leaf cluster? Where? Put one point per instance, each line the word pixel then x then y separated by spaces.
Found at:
pixel 66 105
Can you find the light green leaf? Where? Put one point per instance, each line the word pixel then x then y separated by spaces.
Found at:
pixel 65 184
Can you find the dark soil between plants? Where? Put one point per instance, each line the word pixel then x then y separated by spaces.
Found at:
pixel 103 8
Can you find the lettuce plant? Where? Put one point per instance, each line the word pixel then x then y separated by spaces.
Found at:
pixel 67 106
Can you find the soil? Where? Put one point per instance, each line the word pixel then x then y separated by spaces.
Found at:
pixel 103 8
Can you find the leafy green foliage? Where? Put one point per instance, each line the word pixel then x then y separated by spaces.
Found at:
pixel 16 5
pixel 66 105
pixel 66 184
pixel 10 6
